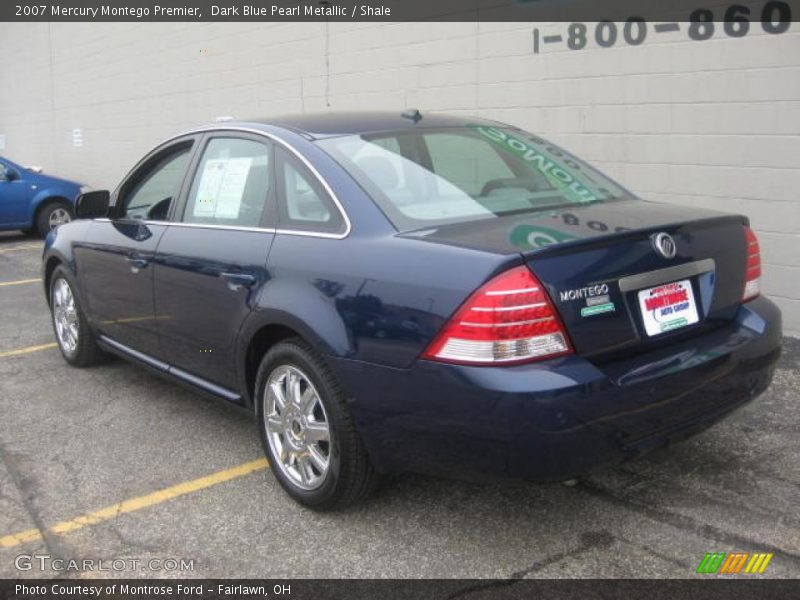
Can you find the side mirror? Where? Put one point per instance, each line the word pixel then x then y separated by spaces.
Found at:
pixel 10 174
pixel 92 205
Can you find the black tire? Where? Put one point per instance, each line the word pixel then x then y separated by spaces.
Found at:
pixel 350 476
pixel 45 212
pixel 86 352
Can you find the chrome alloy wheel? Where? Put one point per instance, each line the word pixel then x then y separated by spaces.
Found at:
pixel 59 216
pixel 65 316
pixel 297 427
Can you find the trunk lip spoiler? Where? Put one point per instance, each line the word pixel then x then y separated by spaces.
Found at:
pixel 659 276
pixel 633 234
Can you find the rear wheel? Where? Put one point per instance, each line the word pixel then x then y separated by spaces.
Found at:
pixel 307 430
pixel 51 215
pixel 74 337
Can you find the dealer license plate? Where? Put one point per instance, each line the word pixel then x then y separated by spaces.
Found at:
pixel 668 307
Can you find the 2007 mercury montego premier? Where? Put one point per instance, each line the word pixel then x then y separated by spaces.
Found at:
pixel 414 292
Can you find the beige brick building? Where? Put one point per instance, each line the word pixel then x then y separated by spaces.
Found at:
pixel 713 123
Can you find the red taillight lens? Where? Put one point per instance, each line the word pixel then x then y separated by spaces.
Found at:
pixel 752 279
pixel 509 319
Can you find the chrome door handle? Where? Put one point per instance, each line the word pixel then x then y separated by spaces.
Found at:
pixel 137 263
pixel 238 280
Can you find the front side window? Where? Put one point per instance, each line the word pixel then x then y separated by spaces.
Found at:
pixel 152 189
pixel 231 185
pixel 435 176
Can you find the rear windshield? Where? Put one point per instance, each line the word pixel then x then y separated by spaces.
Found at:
pixel 435 176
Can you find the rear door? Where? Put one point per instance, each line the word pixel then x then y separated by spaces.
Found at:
pixel 212 258
pixel 115 264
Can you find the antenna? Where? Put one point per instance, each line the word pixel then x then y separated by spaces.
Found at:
pixel 413 114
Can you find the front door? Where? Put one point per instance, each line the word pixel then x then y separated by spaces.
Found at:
pixel 115 264
pixel 212 259
pixel 14 195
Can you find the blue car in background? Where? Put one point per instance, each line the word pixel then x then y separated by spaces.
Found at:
pixel 34 202
pixel 438 294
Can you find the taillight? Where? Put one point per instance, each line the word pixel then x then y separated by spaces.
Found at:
pixel 753 273
pixel 509 319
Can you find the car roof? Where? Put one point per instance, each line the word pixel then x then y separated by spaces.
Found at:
pixel 321 125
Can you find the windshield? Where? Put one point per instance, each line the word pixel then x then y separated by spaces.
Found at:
pixel 436 176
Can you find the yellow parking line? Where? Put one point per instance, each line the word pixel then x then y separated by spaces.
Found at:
pixel 138 503
pixel 19 282
pixel 27 350
pixel 25 247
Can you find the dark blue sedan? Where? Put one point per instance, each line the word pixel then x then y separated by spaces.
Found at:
pixel 406 292
pixel 32 201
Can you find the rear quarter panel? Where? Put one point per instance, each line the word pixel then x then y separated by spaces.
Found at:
pixel 377 299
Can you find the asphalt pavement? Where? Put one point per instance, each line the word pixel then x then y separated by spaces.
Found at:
pixel 114 464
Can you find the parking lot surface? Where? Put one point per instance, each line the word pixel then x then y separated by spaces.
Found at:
pixel 115 463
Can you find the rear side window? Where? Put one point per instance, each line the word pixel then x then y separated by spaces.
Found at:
pixel 303 204
pixel 231 185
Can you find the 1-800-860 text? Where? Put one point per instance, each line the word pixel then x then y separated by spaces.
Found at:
pixel 775 18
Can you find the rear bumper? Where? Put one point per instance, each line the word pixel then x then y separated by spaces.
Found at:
pixel 557 419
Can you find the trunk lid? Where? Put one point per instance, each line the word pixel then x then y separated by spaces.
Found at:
pixel 595 260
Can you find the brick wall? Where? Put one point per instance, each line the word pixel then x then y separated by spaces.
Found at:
pixel 714 123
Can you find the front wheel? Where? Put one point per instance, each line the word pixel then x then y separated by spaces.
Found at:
pixel 74 337
pixel 307 430
pixel 52 215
